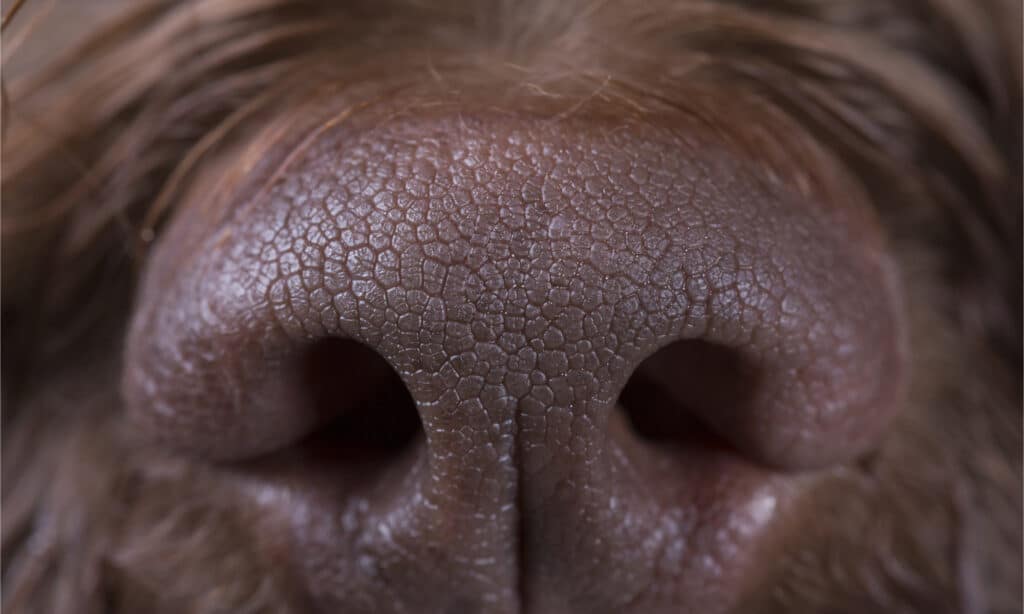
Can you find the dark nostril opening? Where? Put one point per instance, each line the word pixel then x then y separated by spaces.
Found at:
pixel 683 380
pixel 365 408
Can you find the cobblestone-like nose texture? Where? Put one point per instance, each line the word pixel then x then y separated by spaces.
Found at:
pixel 514 272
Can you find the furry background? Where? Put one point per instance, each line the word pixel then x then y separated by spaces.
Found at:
pixel 920 100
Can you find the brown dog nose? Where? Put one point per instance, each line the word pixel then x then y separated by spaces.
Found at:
pixel 581 347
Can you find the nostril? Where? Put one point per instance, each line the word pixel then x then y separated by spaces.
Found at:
pixel 667 391
pixel 239 396
pixel 367 409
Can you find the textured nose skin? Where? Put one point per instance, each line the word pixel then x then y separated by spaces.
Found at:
pixel 514 272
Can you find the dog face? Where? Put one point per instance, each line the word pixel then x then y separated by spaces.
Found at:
pixel 681 307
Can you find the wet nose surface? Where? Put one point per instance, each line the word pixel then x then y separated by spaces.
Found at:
pixel 514 274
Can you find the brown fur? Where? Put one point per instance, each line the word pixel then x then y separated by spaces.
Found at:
pixel 921 101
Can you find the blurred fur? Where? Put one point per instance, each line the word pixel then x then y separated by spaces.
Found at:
pixel 919 99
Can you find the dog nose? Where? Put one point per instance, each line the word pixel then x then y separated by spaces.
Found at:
pixel 551 341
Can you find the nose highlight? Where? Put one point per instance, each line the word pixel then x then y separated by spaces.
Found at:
pixel 495 288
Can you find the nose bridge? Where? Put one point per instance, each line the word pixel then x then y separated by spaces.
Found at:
pixel 526 332
pixel 513 292
pixel 486 273
pixel 522 341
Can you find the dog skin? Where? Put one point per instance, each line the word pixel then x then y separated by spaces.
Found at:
pixel 516 307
